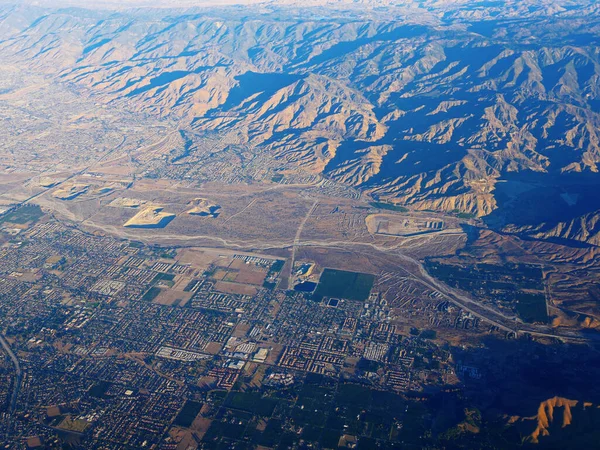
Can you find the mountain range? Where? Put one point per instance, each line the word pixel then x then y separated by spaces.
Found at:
pixel 488 108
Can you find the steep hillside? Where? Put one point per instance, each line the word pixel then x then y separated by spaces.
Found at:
pixel 560 423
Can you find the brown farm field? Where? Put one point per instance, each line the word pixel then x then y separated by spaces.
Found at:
pixel 173 297
pixel 250 277
pixel 235 288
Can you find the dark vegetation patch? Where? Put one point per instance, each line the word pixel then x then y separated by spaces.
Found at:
pixel 188 413
pixel 99 389
pixel 344 284
pixel 251 401
pixel 163 277
pixel 518 285
pixel 532 307
pixel 388 206
pixel 151 294
pixel 22 215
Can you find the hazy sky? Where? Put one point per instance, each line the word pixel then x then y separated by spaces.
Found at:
pixel 135 3
pixel 190 3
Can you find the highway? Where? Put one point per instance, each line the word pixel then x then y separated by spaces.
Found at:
pixel 297 239
pixel 418 273
pixel 18 374
pixel 483 312
pixel 413 268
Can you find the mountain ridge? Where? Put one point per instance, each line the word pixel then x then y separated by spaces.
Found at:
pixel 431 114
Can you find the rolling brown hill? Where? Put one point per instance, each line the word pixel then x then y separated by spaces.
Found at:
pixel 444 105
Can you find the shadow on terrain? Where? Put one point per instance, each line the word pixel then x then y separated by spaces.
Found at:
pixel 509 378
pixel 530 199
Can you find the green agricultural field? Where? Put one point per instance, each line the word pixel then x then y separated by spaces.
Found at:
pixel 163 277
pixel 343 284
pixel 151 294
pixel 252 402
pixel 27 213
pixel 532 307
pixel 188 413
